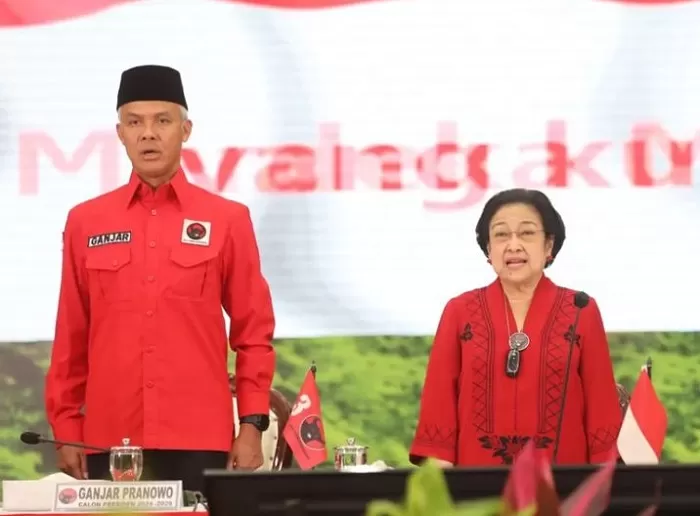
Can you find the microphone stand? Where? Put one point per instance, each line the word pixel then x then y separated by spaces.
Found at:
pixel 571 337
pixel 32 439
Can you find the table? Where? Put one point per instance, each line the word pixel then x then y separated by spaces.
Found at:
pixel 152 513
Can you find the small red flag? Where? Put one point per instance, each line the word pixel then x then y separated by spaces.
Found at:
pixel 304 431
pixel 643 431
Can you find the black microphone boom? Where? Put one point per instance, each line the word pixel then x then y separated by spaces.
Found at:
pixel 30 438
pixel 33 438
pixel 581 300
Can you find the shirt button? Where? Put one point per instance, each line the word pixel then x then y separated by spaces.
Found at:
pixel 115 263
pixel 151 278
pixel 149 350
pixel 150 385
pixel 149 313
pixel 154 212
pixel 151 244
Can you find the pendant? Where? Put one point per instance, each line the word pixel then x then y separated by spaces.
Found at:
pixel 519 341
pixel 513 363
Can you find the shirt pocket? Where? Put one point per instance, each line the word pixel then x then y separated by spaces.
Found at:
pixel 192 269
pixel 108 274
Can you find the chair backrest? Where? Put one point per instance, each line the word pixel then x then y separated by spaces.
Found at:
pixel 276 453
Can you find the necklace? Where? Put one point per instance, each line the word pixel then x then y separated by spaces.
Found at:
pixel 517 342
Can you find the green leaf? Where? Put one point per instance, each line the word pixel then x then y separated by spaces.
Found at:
pixel 427 491
pixel 384 508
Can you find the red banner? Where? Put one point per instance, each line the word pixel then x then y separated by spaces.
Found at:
pixel 17 13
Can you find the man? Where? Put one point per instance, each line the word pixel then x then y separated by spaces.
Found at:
pixel 141 347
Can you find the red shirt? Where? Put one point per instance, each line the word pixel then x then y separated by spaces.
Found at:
pixel 473 414
pixel 141 346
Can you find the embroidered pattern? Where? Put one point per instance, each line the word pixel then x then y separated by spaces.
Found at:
pixel 507 447
pixel 466 334
pixel 482 363
pixel 553 360
pixel 602 439
pixel 571 337
pixel 437 437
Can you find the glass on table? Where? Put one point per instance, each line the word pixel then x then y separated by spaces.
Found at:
pixel 126 462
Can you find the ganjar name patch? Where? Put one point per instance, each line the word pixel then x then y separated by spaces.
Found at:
pixel 118 237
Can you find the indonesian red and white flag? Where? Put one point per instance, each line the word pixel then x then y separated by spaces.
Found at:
pixel 643 431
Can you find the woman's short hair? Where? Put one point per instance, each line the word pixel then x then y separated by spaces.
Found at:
pixel 552 222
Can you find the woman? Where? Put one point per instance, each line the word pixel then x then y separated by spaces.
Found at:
pixel 495 377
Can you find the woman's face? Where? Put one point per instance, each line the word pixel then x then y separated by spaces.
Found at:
pixel 518 249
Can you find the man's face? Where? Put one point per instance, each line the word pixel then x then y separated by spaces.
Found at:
pixel 153 133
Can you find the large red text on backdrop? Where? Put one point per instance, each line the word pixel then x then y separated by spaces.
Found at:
pixel 331 165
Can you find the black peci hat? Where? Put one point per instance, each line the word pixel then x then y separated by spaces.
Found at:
pixel 151 82
pixel 551 220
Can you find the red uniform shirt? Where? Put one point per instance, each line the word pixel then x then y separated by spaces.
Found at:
pixel 141 346
pixel 473 414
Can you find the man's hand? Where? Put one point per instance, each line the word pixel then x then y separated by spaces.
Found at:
pixel 246 453
pixel 71 460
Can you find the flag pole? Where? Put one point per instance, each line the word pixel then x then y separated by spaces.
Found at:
pixel 648 366
pixel 313 370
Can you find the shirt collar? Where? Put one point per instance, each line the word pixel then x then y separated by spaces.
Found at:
pixel 177 188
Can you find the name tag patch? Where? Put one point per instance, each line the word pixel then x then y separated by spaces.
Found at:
pixel 118 237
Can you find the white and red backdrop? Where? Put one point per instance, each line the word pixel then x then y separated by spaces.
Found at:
pixel 365 136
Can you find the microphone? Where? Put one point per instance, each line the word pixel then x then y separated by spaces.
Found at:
pixel 581 300
pixel 32 438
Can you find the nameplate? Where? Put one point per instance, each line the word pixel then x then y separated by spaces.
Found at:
pixel 117 496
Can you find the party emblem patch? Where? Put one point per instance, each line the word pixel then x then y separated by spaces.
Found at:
pixel 117 237
pixel 311 433
pixel 67 495
pixel 196 232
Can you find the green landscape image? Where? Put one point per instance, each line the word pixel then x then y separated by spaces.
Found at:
pixel 370 387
